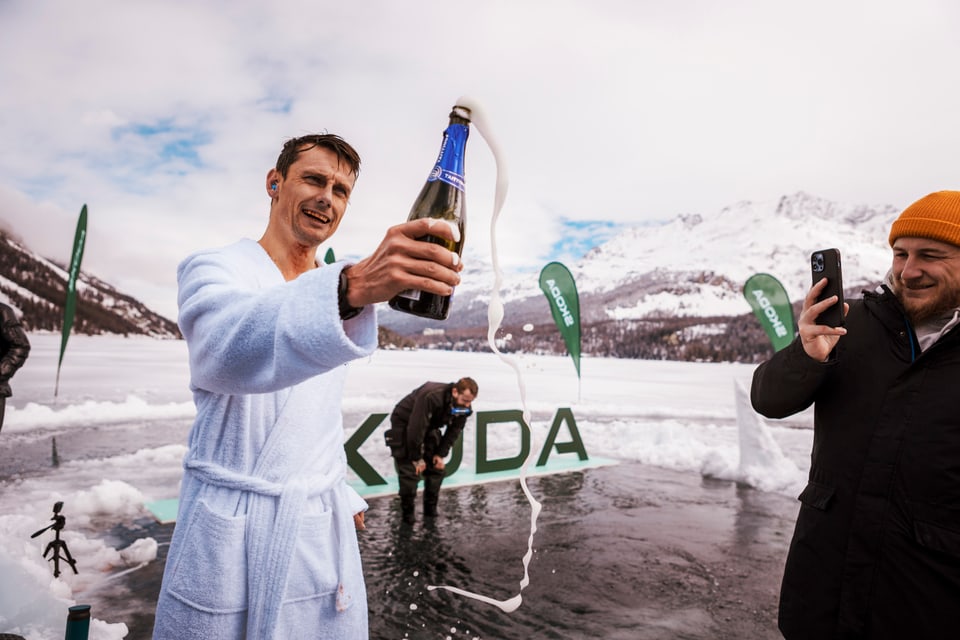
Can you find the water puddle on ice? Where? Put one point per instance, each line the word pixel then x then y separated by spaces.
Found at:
pixel 494 319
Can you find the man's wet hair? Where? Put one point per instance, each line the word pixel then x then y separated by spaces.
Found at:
pixel 293 147
pixel 466 384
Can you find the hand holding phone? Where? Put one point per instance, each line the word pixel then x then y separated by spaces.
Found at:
pixel 825 263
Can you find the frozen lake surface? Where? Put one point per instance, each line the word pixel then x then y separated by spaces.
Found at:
pixel 631 550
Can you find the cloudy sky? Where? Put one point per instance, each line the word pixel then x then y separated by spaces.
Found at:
pixel 164 117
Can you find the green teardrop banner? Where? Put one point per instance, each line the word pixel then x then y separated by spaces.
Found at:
pixel 557 284
pixel 70 304
pixel 771 305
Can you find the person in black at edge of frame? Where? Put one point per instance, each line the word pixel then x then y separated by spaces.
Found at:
pixel 14 349
pixel 424 426
pixel 876 549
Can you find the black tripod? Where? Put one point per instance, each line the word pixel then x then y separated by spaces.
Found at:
pixel 57 545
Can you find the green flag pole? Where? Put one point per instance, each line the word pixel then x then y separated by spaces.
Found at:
pixel 70 305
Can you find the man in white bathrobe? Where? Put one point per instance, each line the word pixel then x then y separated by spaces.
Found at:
pixel 265 543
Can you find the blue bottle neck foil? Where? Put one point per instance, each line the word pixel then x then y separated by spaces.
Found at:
pixel 449 167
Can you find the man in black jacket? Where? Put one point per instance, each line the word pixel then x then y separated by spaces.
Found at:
pixel 424 426
pixel 14 349
pixel 876 549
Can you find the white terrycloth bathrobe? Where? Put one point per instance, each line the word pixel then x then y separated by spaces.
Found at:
pixel 265 545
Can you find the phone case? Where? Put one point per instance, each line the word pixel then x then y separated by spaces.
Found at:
pixel 826 264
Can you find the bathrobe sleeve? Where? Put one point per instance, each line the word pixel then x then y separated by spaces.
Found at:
pixel 249 332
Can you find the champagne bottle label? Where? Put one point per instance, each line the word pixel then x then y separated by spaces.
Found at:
pixel 449 167
pixel 443 198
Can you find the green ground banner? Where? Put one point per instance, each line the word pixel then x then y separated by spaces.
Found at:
pixel 70 304
pixel 772 307
pixel 557 284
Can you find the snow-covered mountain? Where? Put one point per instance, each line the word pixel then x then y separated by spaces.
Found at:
pixel 37 287
pixel 695 265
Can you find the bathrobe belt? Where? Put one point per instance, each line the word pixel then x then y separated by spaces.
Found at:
pixel 272 539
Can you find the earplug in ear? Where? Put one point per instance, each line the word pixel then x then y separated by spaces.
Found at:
pixel 273 186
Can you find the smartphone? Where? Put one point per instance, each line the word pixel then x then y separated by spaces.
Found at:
pixel 826 264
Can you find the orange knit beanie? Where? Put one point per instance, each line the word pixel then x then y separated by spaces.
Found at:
pixel 936 216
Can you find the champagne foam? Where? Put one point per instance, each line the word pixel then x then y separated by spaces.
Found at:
pixel 453 227
pixel 495 314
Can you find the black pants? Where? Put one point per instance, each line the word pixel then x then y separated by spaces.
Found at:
pixel 409 481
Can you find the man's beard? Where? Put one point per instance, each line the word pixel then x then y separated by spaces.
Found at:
pixel 920 312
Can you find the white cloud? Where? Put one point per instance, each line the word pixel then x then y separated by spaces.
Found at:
pixel 610 110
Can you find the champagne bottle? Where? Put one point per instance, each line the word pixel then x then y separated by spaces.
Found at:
pixel 442 197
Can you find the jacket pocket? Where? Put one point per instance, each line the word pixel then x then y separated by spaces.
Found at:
pixel 817 495
pixel 937 538
pixel 211 572
pixel 814 513
pixel 394 439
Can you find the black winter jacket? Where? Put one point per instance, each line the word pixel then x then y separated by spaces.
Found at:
pixel 422 425
pixel 876 548
pixel 14 348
